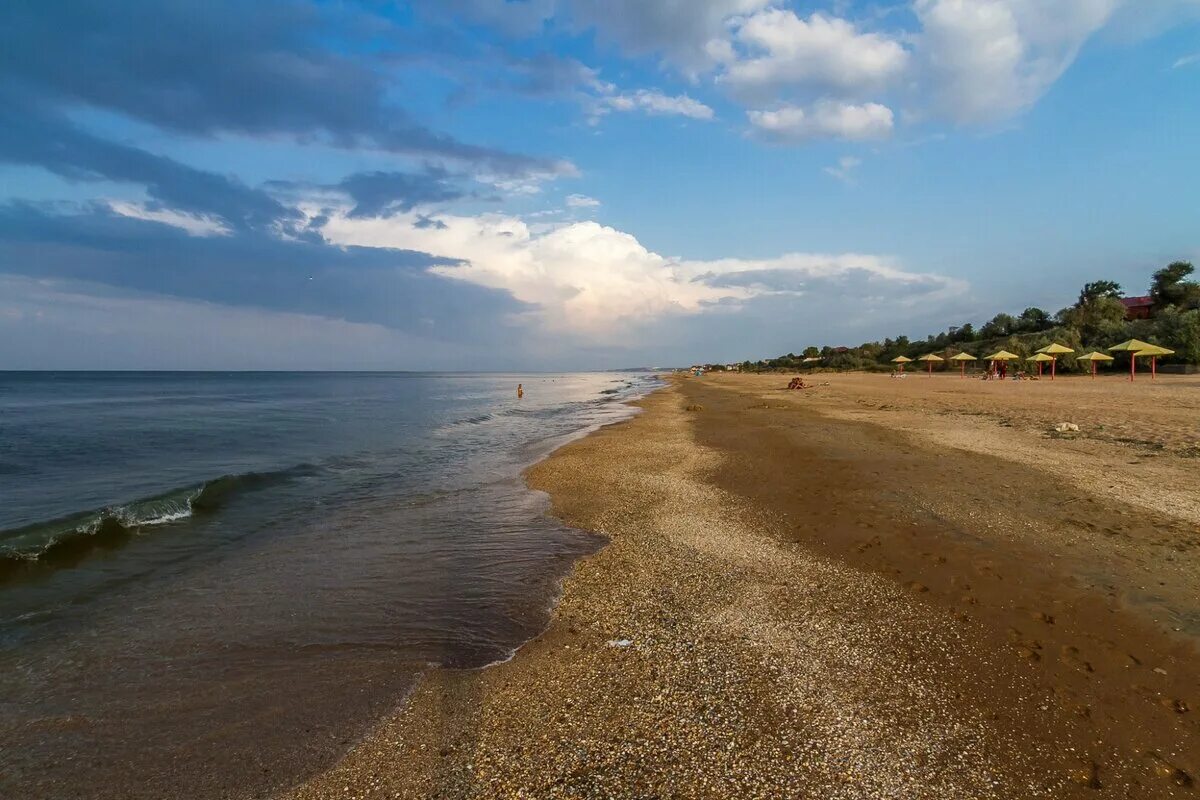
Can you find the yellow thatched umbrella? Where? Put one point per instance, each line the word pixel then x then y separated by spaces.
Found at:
pixel 1094 358
pixel 902 360
pixel 1041 358
pixel 1054 350
pixel 930 358
pixel 962 359
pixel 1154 351
pixel 1133 347
pixel 1000 355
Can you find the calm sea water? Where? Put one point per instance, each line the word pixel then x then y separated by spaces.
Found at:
pixel 211 583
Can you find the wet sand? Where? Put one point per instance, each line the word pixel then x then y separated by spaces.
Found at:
pixel 875 588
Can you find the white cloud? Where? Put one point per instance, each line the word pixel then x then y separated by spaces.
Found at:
pixel 986 60
pixel 582 201
pixel 194 224
pixel 782 51
pixel 1186 61
pixel 601 284
pixel 824 119
pixel 685 33
pixel 653 102
pixel 529 183
pixel 844 170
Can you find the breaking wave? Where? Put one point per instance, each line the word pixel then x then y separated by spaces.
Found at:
pixel 66 541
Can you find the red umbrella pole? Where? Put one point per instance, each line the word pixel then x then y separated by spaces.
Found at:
pixel 1039 369
pixel 931 369
pixel 1053 364
pixel 1093 370
pixel 962 369
pixel 1153 373
pixel 1132 366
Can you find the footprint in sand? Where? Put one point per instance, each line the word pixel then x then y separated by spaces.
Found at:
pixel 1165 769
pixel 1072 656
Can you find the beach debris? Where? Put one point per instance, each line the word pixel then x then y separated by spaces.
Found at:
pixel 1066 427
pixel 619 642
pixel 694 408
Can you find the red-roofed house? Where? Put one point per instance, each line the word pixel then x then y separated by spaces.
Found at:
pixel 1137 307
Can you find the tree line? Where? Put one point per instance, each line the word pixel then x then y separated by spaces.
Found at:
pixel 1097 320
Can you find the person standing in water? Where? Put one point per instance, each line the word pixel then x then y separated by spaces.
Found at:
pixel 520 392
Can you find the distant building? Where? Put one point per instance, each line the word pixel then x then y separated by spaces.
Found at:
pixel 1138 307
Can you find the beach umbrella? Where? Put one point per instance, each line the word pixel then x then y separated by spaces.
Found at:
pixel 1094 358
pixel 1041 358
pixel 1133 347
pixel 902 360
pixel 930 358
pixel 1054 350
pixel 1154 351
pixel 1001 355
pixel 962 359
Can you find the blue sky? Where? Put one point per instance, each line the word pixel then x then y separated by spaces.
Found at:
pixel 563 184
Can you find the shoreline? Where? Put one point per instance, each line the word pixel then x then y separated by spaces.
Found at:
pixel 709 650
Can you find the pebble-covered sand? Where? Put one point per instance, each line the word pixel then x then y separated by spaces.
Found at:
pixel 708 651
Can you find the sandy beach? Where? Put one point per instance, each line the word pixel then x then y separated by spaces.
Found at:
pixel 873 588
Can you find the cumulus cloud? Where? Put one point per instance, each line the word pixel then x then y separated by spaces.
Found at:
pixel 582 201
pixel 601 284
pixel 653 102
pixel 986 60
pixel 780 51
pixel 1186 61
pixel 824 119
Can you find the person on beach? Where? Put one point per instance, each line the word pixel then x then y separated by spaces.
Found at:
pixel 520 391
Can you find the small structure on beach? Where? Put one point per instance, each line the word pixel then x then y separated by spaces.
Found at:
pixel 1154 351
pixel 1002 357
pixel 901 360
pixel 1054 350
pixel 1095 358
pixel 931 359
pixel 1041 358
pixel 1135 348
pixel 962 359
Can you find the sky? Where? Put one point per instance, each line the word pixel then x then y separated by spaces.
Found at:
pixel 539 185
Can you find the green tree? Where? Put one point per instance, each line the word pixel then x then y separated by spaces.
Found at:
pixel 1168 287
pixel 999 325
pixel 1033 319
pixel 1098 289
pixel 811 352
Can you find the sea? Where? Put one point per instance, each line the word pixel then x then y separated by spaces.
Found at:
pixel 212 584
